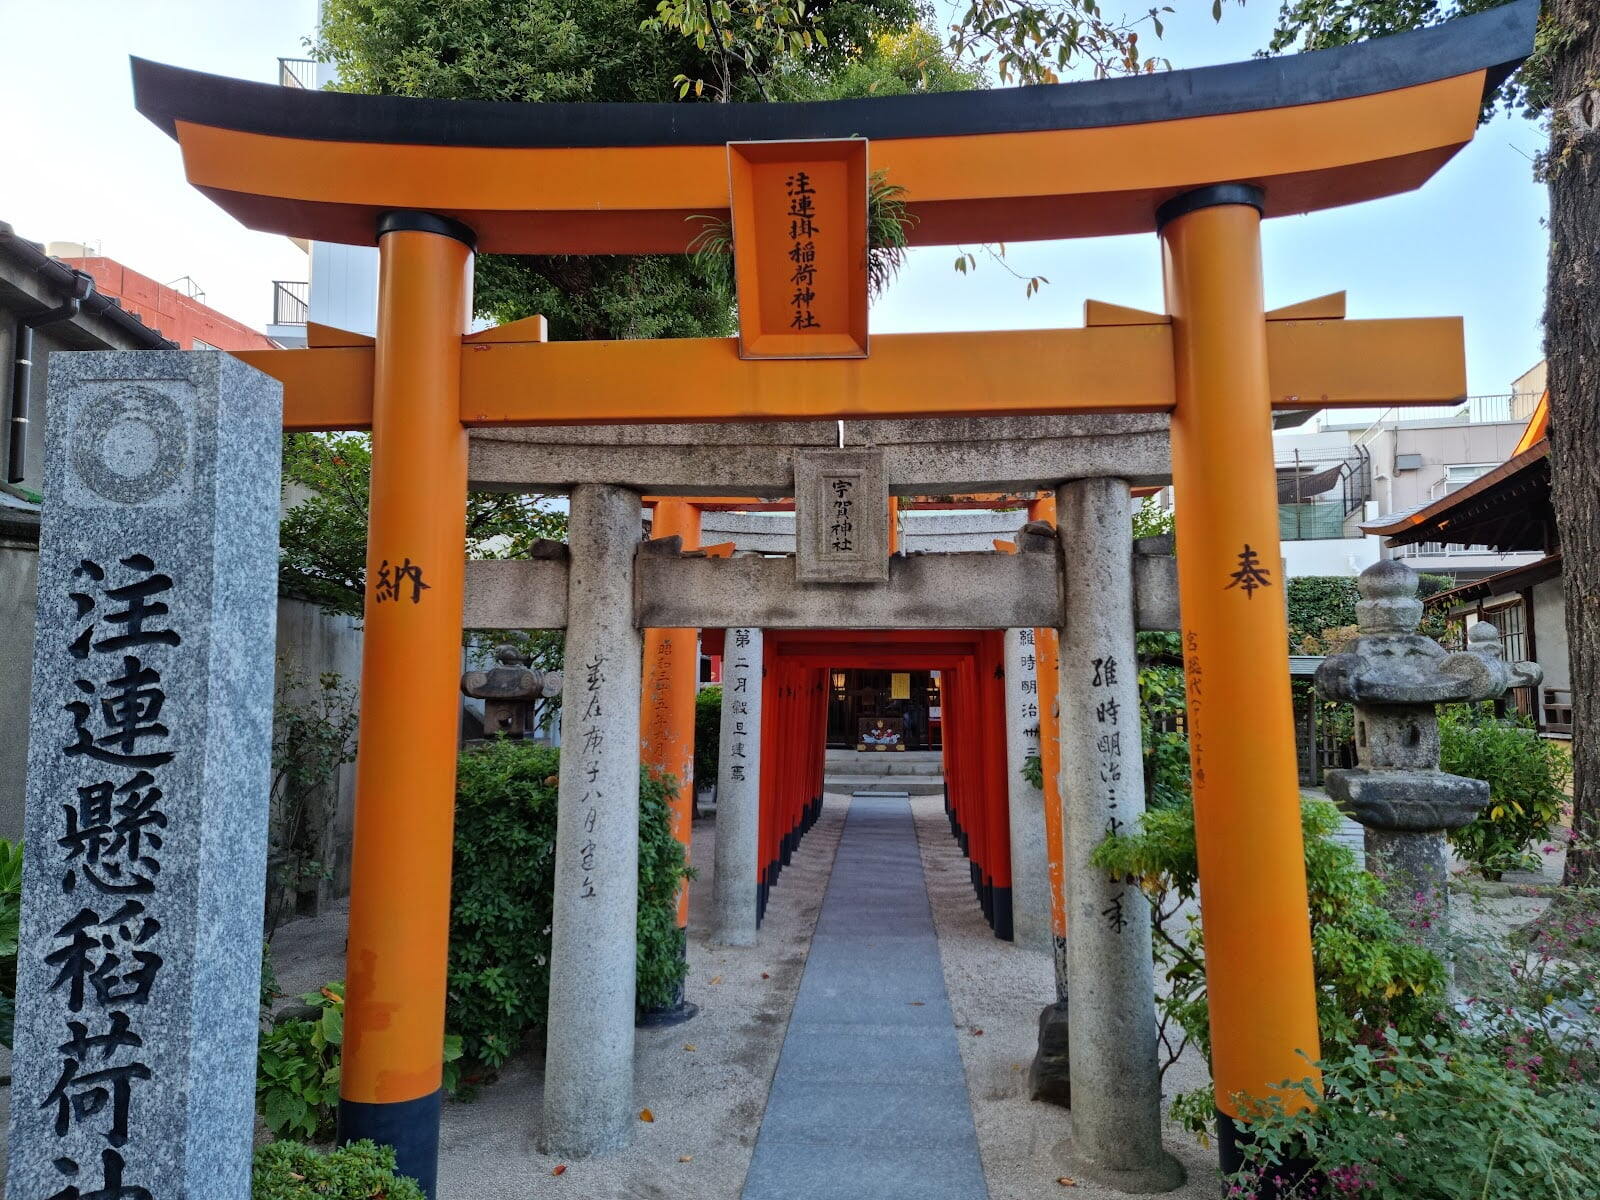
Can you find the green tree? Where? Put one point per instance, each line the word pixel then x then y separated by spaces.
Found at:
pixel 323 537
pixel 1560 85
pixel 613 50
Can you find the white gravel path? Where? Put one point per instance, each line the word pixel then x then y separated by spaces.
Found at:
pixel 708 1102
pixel 999 988
pixel 705 1082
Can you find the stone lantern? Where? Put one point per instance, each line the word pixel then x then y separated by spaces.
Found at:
pixel 1395 677
pixel 508 692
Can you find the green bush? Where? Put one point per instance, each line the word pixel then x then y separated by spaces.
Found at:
pixel 1369 975
pixel 359 1171
pixel 1429 1119
pixel 298 1065
pixel 504 884
pixel 10 921
pixel 1319 603
pixel 297 1069
pixel 1499 1103
pixel 1527 778
pixel 1163 702
pixel 707 735
pixel 662 965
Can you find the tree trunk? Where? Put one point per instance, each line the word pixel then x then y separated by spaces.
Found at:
pixel 1572 345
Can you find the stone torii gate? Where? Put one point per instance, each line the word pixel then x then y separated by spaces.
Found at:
pixel 1196 157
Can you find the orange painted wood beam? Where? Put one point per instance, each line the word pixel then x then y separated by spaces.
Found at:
pixel 1001 186
pixel 1119 368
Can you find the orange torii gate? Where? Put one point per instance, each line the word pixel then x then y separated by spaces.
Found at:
pixel 1196 157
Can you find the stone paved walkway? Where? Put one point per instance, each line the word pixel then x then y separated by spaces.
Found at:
pixel 869 1099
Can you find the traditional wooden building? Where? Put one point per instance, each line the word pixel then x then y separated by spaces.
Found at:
pixel 1508 509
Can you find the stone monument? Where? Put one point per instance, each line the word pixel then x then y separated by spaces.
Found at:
pixel 508 692
pixel 148 772
pixel 1395 677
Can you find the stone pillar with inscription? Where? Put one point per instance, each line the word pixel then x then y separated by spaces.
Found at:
pixel 1116 1085
pixel 734 887
pixel 588 1068
pixel 148 770
pixel 1030 867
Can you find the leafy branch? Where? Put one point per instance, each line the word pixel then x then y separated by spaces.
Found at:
pixel 1027 42
pixel 967 262
pixel 888 223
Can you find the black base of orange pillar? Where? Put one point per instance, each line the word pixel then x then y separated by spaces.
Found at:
pixel 677 1010
pixel 1000 914
pixel 1283 1178
pixel 673 1014
pixel 410 1126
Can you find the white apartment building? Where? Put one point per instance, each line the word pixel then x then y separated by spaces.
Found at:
pixel 1337 474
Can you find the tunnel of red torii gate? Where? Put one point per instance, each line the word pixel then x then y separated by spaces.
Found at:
pixel 1197 159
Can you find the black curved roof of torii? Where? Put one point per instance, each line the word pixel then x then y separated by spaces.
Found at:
pixel 1495 41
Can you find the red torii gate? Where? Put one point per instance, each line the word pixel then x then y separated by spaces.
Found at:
pixel 793 728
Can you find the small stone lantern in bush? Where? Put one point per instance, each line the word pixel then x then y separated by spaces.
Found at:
pixel 1395 677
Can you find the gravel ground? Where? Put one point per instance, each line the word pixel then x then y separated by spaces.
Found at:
pixel 705 1082
pixel 999 988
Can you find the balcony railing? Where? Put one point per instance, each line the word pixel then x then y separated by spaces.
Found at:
pixel 298 73
pixel 1446 550
pixel 291 302
pixel 1318 491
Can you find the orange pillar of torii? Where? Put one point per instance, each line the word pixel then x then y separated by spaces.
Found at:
pixel 667 707
pixel 1196 156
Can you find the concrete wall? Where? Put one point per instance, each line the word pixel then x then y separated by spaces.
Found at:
pixel 1527 388
pixel 1331 556
pixel 311 642
pixel 1550 633
pixel 344 287
pixel 1443 446
pixel 19 558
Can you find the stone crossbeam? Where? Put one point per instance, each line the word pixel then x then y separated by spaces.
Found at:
pixel 931 456
pixel 925 591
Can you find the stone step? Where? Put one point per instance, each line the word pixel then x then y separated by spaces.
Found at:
pixel 887 762
pixel 913 785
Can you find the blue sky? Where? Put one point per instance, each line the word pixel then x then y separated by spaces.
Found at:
pixel 86 167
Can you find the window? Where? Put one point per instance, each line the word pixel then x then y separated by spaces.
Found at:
pixel 199 345
pixel 1511 621
pixel 1458 475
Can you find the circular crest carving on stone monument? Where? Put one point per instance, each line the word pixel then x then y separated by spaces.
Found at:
pixel 132 444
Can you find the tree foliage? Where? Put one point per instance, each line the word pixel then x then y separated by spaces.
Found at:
pixel 1318 24
pixel 323 537
pixel 621 50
